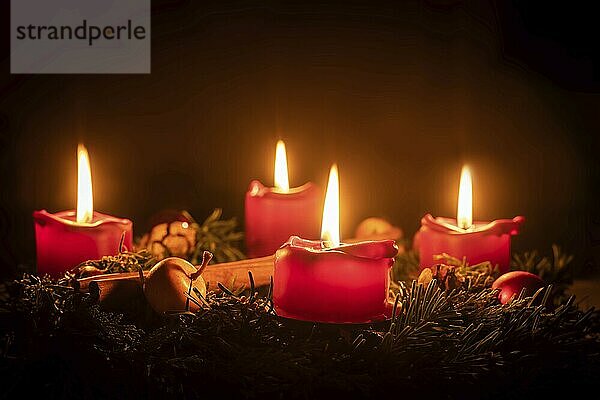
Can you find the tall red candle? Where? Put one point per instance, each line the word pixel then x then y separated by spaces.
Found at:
pixel 68 238
pixel 327 281
pixel 273 214
pixel 477 241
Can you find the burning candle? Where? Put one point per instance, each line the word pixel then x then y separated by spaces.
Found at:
pixel 327 281
pixel 461 237
pixel 274 214
pixel 67 238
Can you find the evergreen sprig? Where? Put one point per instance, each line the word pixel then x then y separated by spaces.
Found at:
pixel 218 236
pixel 556 269
pixel 188 238
pixel 406 266
pixel 457 344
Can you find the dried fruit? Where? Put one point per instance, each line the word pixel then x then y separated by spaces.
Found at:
pixel 171 281
pixel 173 239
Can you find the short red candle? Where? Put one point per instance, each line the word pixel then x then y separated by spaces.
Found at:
pixel 62 243
pixel 345 284
pixel 485 241
pixel 326 281
pixel 68 238
pixel 462 238
pixel 273 214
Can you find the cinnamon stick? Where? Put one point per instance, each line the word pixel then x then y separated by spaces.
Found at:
pixel 262 270
pixel 118 294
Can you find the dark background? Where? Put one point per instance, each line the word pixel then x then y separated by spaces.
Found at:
pixel 399 95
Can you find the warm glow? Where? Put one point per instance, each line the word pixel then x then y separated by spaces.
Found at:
pixel 281 169
pixel 464 215
pixel 330 227
pixel 85 199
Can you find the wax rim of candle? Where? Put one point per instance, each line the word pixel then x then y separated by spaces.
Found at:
pixel 68 217
pixel 496 227
pixel 257 189
pixel 386 249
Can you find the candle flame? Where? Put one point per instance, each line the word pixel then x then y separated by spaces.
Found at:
pixel 281 169
pixel 85 199
pixel 464 215
pixel 330 227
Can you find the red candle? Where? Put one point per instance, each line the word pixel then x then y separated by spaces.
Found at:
pixel 68 238
pixel 461 237
pixel 273 214
pixel 327 281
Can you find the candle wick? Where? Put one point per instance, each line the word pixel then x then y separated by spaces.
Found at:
pixel 466 227
pixel 327 244
pixel 464 224
pixel 326 241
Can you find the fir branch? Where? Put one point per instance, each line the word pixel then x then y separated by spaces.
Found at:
pixel 44 302
pixel 217 236
pixel 556 270
pixel 189 239
pixel 454 338
pixel 406 266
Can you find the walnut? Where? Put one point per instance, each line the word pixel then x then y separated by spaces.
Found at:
pixel 176 238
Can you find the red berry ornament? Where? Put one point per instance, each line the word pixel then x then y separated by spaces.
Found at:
pixel 511 284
